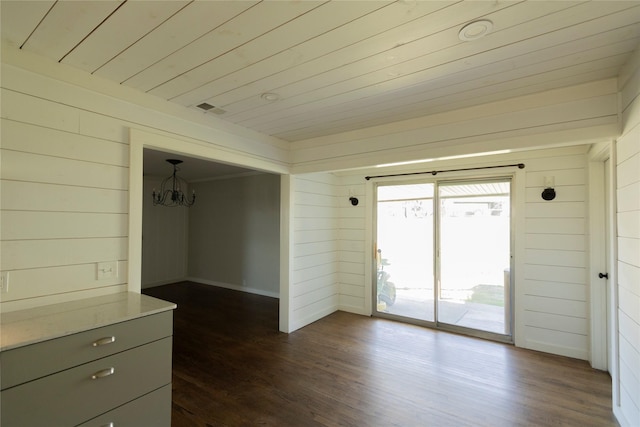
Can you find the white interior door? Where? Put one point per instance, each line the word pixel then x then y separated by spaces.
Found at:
pixel 607 228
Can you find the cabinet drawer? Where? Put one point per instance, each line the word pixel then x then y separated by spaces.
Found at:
pixel 71 397
pixel 38 360
pixel 150 410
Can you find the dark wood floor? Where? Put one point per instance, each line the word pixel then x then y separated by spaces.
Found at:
pixel 232 367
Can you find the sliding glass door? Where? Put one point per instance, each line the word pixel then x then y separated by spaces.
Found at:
pixel 404 276
pixel 475 255
pixel 443 254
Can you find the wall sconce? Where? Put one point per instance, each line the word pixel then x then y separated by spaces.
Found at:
pixel 548 193
pixel 352 198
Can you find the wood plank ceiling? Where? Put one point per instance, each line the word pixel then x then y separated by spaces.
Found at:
pixel 304 69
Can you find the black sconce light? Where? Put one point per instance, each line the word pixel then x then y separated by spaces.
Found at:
pixel 548 193
pixel 354 200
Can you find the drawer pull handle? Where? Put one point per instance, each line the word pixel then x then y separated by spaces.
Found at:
pixel 109 425
pixel 103 373
pixel 104 341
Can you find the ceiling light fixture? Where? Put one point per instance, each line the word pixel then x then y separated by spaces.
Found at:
pixel 270 96
pixel 171 194
pixel 475 30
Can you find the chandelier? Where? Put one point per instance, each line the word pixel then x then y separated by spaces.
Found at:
pixel 171 193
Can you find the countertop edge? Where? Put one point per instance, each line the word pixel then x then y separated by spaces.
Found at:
pixel 31 326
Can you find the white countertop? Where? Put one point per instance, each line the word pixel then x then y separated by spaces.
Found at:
pixel 24 327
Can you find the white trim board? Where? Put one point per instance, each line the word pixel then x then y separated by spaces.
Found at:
pixel 597 244
pixel 233 287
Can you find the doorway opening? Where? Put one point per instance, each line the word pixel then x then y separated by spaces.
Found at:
pixel 220 240
pixel 443 255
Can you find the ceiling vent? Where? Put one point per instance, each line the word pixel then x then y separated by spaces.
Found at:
pixel 210 108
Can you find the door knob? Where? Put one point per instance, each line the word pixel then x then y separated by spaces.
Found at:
pixel 603 275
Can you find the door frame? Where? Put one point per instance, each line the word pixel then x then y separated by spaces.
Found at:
pixel 604 320
pixel 139 140
pixel 371 219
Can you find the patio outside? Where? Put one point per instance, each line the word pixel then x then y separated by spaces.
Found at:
pixel 474 258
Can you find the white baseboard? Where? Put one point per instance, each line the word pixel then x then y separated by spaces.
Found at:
pixel 557 349
pixel 163 282
pixel 355 310
pixel 234 287
pixel 622 420
pixel 307 320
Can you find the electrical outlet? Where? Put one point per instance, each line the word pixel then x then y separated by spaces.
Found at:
pixel 107 270
pixel 4 282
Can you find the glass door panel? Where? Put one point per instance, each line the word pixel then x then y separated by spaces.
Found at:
pixel 475 255
pixel 405 241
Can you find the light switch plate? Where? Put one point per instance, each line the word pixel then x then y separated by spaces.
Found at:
pixel 107 270
pixel 4 282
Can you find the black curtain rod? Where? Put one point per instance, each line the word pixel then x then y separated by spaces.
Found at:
pixel 519 165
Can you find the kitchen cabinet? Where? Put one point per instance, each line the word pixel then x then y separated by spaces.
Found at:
pixel 102 361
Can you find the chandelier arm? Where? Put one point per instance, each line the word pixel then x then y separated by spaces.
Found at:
pixel 171 193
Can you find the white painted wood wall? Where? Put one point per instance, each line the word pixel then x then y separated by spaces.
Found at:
pixel 576 114
pixel 64 199
pixel 552 283
pixel 314 290
pixel 65 168
pixel 352 232
pixel 627 394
